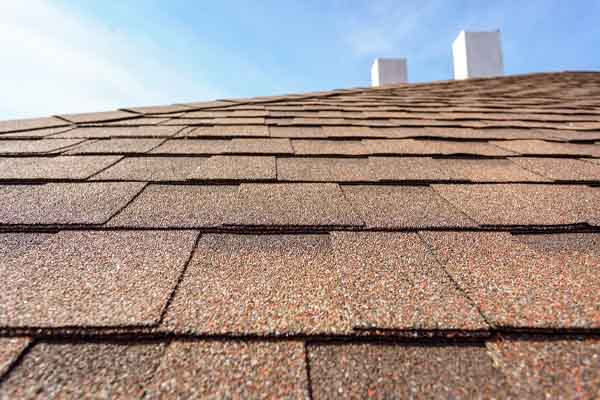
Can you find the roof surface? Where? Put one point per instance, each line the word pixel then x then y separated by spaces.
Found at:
pixel 430 240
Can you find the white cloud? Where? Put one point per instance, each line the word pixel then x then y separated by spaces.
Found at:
pixel 55 60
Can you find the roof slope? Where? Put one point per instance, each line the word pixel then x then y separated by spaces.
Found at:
pixel 422 240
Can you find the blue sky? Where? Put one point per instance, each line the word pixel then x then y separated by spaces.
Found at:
pixel 70 56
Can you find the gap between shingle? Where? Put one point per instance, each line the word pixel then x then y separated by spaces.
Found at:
pixel 456 284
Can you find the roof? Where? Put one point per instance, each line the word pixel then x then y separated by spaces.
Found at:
pixel 428 240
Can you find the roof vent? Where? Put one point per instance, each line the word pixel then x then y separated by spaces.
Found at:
pixel 388 71
pixel 477 55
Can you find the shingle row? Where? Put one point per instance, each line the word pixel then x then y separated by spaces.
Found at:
pixel 73 143
pixel 282 284
pixel 316 205
pixel 161 128
pixel 507 368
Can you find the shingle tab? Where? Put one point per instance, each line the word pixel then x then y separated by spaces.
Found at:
pixel 411 169
pixel 72 280
pixel 450 169
pixel 539 147
pixel 297 132
pixel 116 146
pixel 292 204
pixel 533 204
pixel 150 110
pixel 404 207
pixel 533 281
pixel 64 203
pixel 323 169
pixel 560 169
pixel 329 147
pixel 80 370
pixel 232 369
pixel 132 122
pixel 229 131
pixel 181 369
pixel 178 206
pixel 33 123
pixel 35 146
pixel 490 170
pixel 312 284
pixel 152 169
pixel 99 116
pixel 433 147
pixel 62 167
pixel 403 371
pixel 261 146
pixel 348 131
pixel 34 134
pixel 549 367
pixel 227 168
pixel 10 350
pixel 194 146
pixel 493 133
pixel 120 132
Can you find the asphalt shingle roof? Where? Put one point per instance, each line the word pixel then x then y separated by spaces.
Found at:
pixel 427 240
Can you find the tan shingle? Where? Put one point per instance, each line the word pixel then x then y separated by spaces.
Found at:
pixel 534 204
pixel 64 203
pixel 71 280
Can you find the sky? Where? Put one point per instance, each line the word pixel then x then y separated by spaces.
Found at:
pixel 67 56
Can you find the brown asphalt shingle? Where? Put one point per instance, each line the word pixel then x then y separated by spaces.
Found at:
pixel 152 169
pixel 493 133
pixel 348 131
pixel 232 369
pixel 62 167
pixel 84 370
pixel 116 146
pixel 226 168
pixel 93 279
pixel 404 207
pixel 261 146
pixel 450 169
pixel 10 350
pixel 539 147
pixel 180 369
pixel 411 169
pixel 288 284
pixel 560 169
pixel 490 170
pixel 34 134
pixel 537 281
pixel 318 169
pixel 549 367
pixel 329 147
pixel 517 204
pixel 99 116
pixel 64 203
pixel 33 123
pixel 433 147
pixel 297 132
pixel 119 132
pixel 378 371
pixel 292 204
pixel 194 146
pixel 229 131
pixel 178 206
pixel 35 146
pixel 132 122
